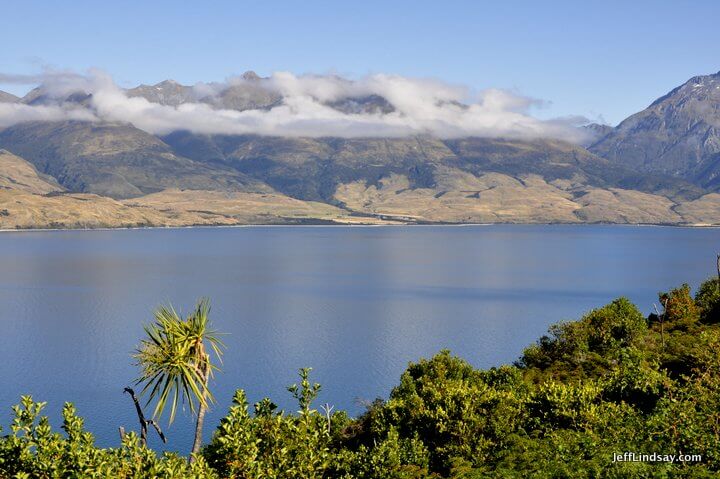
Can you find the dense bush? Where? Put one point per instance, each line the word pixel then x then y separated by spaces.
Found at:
pixel 612 382
pixel 587 348
pixel 33 450
pixel 707 300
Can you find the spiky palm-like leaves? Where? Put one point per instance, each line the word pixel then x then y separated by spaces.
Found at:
pixel 176 364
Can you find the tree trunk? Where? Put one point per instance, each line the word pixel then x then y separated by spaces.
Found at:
pixel 198 432
pixel 197 443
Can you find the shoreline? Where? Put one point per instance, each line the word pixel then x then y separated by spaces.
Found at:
pixel 357 225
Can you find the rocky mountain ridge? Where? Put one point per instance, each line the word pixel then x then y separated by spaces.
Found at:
pixel 677 135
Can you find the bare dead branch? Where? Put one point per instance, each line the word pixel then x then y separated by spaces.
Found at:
pixel 143 421
pixel 157 428
pixel 327 408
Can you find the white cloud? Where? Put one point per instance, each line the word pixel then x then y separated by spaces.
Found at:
pixel 13 113
pixel 421 107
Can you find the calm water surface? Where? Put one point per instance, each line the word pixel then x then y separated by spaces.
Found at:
pixel 357 304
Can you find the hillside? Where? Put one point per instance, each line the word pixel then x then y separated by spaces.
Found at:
pixel 18 174
pixel 29 199
pixel 678 135
pixel 21 210
pixel 473 180
pixel 114 160
pixel 246 180
pixel 312 168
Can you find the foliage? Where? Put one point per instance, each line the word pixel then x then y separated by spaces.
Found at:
pixel 611 382
pixel 272 444
pixel 681 312
pixel 707 300
pixel 173 359
pixel 176 363
pixel 33 450
pixel 587 348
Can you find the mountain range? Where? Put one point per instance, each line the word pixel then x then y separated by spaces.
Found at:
pixel 659 166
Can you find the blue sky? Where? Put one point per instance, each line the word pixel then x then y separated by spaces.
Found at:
pixel 597 59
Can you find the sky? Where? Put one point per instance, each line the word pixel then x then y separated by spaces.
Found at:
pixel 601 60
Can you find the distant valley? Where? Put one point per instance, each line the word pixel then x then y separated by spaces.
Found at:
pixel 659 166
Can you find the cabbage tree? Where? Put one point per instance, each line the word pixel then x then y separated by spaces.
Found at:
pixel 176 361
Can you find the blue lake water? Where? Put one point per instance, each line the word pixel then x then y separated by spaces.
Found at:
pixel 355 303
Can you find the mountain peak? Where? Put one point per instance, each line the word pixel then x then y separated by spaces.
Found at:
pixel 677 135
pixel 250 76
pixel 697 86
pixel 167 92
pixel 168 84
pixel 6 97
pixel 596 131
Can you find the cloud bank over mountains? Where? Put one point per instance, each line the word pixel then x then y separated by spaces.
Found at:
pixel 285 104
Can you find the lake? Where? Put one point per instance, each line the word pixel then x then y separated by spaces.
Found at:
pixel 355 303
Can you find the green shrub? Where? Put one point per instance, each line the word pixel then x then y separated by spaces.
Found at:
pixel 707 300
pixel 33 450
pixel 272 444
pixel 449 406
pixel 586 348
pixel 681 312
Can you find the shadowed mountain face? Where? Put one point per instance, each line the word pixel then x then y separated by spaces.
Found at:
pixel 678 135
pixel 115 160
pixel 312 169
